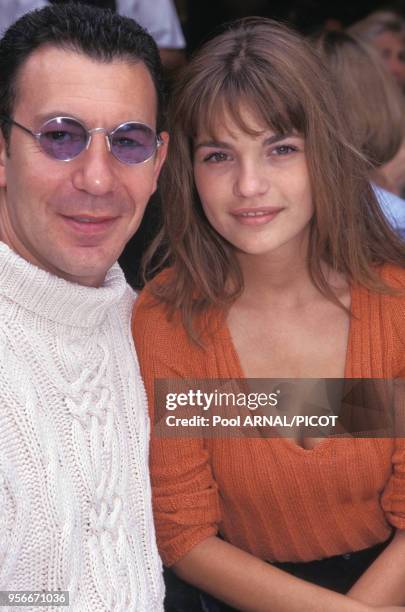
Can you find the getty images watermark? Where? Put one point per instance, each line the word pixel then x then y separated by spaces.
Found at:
pixel 279 407
pixel 251 401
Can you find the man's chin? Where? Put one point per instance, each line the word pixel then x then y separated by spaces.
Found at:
pixel 85 266
pixel 87 278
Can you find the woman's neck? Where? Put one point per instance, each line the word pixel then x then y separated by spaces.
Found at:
pixel 284 281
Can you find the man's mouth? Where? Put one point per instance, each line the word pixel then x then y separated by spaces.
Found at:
pixel 88 224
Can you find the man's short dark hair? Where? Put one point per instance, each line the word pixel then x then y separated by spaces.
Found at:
pixel 97 33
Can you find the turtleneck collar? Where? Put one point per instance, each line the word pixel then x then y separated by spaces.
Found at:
pixel 54 298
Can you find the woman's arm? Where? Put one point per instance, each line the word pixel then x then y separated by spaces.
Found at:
pixel 249 584
pixel 384 581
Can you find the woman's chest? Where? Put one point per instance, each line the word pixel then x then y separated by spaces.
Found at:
pixel 287 347
pixel 266 471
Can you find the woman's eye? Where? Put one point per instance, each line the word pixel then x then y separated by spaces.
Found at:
pixel 284 149
pixel 216 157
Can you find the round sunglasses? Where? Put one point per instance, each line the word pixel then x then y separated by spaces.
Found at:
pixel 64 138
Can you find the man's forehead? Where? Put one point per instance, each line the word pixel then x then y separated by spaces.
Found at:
pixel 54 77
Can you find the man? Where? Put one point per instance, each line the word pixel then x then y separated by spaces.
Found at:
pixel 81 149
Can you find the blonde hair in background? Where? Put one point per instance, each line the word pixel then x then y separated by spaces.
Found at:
pixel 369 98
pixel 377 23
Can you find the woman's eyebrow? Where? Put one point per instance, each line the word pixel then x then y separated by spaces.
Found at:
pixel 224 145
pixel 277 137
pixel 212 144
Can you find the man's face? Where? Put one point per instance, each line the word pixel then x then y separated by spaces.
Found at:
pixel 73 218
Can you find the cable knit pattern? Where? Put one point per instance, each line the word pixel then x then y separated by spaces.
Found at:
pixel 271 497
pixel 75 502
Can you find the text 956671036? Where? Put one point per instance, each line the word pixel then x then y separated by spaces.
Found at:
pixel 34 598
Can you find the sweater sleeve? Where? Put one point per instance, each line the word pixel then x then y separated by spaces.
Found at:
pixel 185 495
pixel 393 499
pixel 14 517
pixel 394 310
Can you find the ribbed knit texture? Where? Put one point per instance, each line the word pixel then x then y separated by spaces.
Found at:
pixel 75 503
pixel 271 497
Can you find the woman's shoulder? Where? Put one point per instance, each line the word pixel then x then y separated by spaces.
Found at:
pixel 394 303
pixel 146 299
pixel 391 316
pixel 390 303
pixel 394 276
pixel 161 337
pixel 151 315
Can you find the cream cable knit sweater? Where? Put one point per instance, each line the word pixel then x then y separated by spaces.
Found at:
pixel 75 502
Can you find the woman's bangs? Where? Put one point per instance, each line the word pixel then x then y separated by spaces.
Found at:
pixel 236 101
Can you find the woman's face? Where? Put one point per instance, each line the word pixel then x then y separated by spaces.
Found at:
pixel 255 190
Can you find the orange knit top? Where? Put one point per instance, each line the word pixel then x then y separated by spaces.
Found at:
pixel 271 497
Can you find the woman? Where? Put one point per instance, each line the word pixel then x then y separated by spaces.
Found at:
pixel 385 30
pixel 374 110
pixel 282 266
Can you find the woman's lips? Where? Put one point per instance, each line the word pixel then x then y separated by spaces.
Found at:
pixel 255 216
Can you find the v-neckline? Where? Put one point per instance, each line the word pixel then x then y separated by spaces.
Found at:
pixel 227 340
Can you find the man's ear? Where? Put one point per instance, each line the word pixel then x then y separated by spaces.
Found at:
pixel 160 157
pixel 3 157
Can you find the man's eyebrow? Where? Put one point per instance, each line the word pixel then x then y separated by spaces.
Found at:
pixel 43 117
pixel 224 145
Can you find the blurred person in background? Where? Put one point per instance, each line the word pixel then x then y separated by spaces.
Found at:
pixel 394 172
pixel 386 31
pixel 160 19
pixel 11 11
pixel 373 107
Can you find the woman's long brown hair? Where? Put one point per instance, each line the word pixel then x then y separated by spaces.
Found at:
pixel 262 65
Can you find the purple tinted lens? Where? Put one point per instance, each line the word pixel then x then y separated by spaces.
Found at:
pixel 63 138
pixel 133 143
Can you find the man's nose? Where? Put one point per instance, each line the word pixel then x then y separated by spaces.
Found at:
pixel 95 167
